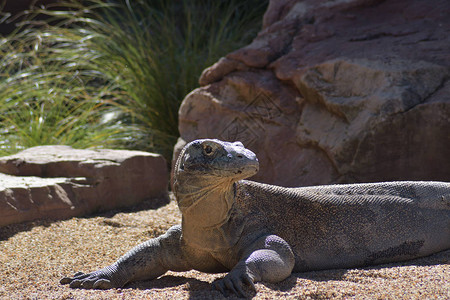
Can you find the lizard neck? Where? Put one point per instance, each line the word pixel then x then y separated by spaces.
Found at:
pixel 205 201
pixel 206 207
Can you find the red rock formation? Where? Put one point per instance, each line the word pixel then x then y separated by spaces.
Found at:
pixel 335 91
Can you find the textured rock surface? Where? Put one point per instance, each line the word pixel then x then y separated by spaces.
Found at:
pixel 57 182
pixel 335 91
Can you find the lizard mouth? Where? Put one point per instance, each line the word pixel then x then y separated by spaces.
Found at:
pixel 250 169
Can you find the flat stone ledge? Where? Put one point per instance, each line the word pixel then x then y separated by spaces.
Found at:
pixel 9 182
pixel 59 182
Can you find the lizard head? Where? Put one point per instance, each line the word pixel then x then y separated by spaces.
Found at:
pixel 204 176
pixel 217 159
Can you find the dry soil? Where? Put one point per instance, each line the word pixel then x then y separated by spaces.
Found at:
pixel 34 256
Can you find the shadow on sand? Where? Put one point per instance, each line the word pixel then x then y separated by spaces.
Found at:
pixel 199 289
pixel 10 230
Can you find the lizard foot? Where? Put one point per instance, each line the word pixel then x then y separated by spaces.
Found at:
pixel 101 279
pixel 233 282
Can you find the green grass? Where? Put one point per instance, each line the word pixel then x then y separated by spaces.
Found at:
pixel 133 60
pixel 46 98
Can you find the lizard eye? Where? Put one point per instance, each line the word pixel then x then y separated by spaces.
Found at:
pixel 208 149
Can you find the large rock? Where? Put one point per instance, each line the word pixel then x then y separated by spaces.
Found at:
pixel 58 182
pixel 335 91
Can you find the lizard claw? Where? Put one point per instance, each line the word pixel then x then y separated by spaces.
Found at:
pixel 94 280
pixel 234 282
pixel 76 276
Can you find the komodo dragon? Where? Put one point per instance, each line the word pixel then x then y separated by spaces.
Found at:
pixel 261 232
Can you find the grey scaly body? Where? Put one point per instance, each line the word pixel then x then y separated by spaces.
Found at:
pixel 261 232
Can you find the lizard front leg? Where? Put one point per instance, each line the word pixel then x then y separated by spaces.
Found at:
pixel 269 259
pixel 146 261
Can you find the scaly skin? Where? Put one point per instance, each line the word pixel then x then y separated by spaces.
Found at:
pixel 261 232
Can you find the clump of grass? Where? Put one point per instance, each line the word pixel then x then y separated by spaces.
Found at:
pixel 136 58
pixel 50 97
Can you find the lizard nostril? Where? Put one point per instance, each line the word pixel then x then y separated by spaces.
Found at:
pixel 239 156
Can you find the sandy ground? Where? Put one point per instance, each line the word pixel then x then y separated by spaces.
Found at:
pixel 34 256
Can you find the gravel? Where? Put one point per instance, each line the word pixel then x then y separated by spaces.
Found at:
pixel 34 256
